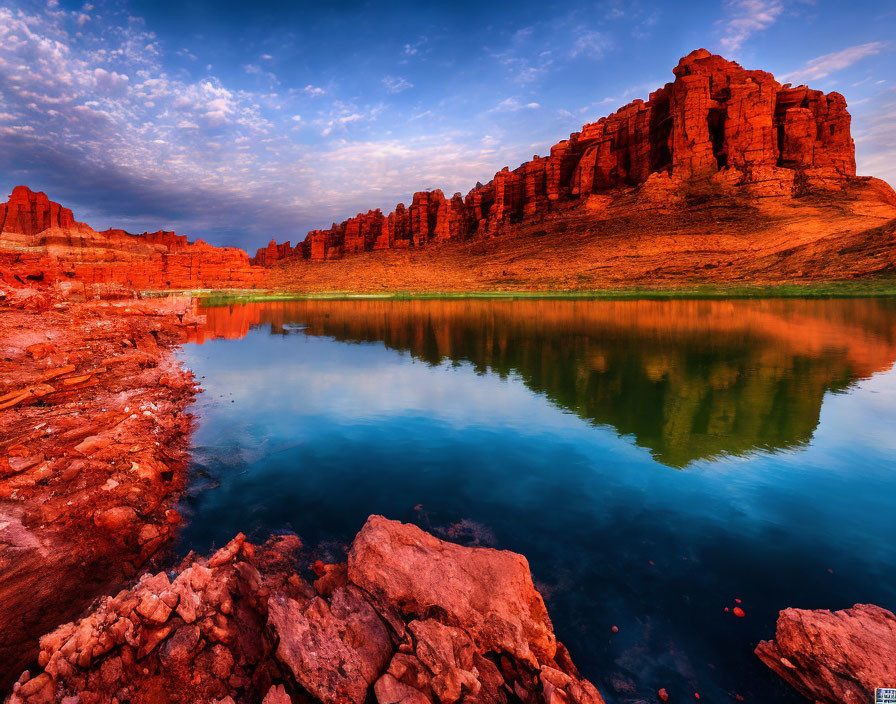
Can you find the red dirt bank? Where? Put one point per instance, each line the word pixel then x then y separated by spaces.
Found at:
pixel 93 439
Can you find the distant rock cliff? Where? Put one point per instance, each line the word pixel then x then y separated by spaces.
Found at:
pixel 41 241
pixel 29 213
pixel 716 120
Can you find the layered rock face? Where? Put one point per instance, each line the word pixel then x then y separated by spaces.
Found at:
pixel 408 618
pixel 45 243
pixel 835 657
pixel 716 120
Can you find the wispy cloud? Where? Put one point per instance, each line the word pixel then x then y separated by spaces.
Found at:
pixel 396 84
pixel 746 18
pixel 591 44
pixel 341 115
pixel 513 105
pixel 837 61
pixel 874 130
pixel 313 91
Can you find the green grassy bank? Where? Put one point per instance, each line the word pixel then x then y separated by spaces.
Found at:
pixel 882 287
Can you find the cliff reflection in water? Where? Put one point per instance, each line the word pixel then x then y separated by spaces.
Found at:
pixel 687 379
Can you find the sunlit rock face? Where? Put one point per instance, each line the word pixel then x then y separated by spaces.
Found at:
pixel 41 241
pixel 408 618
pixel 716 120
pixel 834 657
pixel 723 377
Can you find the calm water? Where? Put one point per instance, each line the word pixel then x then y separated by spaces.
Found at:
pixel 654 460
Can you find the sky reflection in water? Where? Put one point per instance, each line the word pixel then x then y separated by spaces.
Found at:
pixel 744 448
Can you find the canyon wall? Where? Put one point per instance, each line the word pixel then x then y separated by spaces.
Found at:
pixel 41 241
pixel 715 120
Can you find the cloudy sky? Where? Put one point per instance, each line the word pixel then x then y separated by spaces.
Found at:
pixel 238 122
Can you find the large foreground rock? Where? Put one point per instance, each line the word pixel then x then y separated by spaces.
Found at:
pixel 409 619
pixel 488 592
pixel 835 657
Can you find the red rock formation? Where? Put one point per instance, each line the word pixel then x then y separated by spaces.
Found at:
pixel 267 256
pixel 362 231
pixel 29 213
pixel 406 620
pixel 47 240
pixel 716 120
pixel 834 657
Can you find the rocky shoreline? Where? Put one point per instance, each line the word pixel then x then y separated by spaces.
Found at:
pixel 410 617
pixel 94 451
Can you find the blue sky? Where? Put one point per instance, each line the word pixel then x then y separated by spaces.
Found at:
pixel 238 122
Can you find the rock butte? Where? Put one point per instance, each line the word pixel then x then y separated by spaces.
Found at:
pixel 723 175
pixel 41 241
pixel 740 130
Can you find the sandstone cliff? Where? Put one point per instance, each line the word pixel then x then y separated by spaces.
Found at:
pixel 739 129
pixel 41 241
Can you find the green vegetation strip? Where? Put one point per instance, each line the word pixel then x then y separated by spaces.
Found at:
pixel 836 289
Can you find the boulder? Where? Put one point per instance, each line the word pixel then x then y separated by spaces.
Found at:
pixel 488 592
pixel 834 657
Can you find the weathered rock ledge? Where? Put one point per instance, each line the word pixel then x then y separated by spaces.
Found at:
pixel 409 618
pixel 837 657
pixel 94 431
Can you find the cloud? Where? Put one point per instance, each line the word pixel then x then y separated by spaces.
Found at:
pixel 109 81
pixel 341 115
pixel 313 91
pixel 837 61
pixel 256 70
pixel 874 131
pixel 591 44
pixel 396 84
pixel 513 105
pixel 746 18
pixel 98 120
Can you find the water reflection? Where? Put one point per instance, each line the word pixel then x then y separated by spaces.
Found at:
pixel 689 380
pixel 497 422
